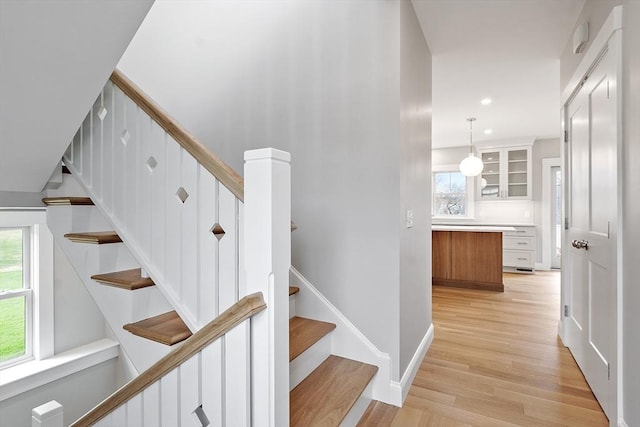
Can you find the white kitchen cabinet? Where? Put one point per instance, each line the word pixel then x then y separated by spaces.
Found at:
pixel 519 249
pixel 507 172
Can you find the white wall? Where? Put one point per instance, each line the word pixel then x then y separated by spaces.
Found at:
pixel 77 319
pixel 449 156
pixel 321 80
pixel 77 393
pixel 415 184
pixel 631 211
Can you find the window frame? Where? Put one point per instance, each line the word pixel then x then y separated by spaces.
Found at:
pixel 38 269
pixel 469 193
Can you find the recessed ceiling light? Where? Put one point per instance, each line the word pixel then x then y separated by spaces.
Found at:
pixel 488 131
pixel 486 101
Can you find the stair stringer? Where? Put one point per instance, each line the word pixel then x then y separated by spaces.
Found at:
pixel 346 340
pixel 118 306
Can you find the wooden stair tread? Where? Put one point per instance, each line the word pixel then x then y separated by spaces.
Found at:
pixel 127 279
pixel 167 328
pixel 325 397
pixel 95 237
pixel 378 414
pixel 293 290
pixel 67 201
pixel 303 333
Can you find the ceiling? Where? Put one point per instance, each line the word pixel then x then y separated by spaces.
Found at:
pixel 55 56
pixel 505 50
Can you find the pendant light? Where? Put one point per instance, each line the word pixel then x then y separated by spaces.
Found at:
pixel 471 165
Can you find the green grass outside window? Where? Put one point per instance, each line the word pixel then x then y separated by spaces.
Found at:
pixel 12 310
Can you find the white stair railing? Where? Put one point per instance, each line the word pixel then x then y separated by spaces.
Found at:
pixel 181 223
pixel 180 211
pixel 183 388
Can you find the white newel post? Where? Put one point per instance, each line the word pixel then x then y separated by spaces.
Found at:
pixel 49 414
pixel 267 231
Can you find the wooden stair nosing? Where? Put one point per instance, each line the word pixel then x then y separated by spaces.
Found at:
pixel 303 333
pixel 167 328
pixel 127 279
pixel 293 290
pixel 67 201
pixel 95 237
pixel 328 393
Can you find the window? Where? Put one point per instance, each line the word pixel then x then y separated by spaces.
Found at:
pixel 451 194
pixel 15 295
pixel 26 287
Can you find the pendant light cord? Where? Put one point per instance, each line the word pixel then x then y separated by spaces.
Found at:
pixel 471 120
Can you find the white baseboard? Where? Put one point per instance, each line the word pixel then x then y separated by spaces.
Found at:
pixel 622 423
pixel 346 340
pixel 416 360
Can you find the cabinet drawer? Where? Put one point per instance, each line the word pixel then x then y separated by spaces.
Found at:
pixel 521 231
pixel 518 259
pixel 518 243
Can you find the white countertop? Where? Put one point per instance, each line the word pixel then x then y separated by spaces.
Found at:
pixel 472 228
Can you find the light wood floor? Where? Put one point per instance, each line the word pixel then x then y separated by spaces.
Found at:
pixel 495 361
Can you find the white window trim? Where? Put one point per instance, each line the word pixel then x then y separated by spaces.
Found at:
pixel 41 275
pixel 29 375
pixel 44 367
pixel 470 194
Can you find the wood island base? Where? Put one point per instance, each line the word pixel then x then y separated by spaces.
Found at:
pixel 467 259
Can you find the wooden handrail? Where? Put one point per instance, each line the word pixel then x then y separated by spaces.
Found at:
pixel 223 172
pixel 237 313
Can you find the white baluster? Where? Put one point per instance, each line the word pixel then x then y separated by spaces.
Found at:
pixel 267 233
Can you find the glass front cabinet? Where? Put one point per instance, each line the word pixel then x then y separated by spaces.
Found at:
pixel 506 174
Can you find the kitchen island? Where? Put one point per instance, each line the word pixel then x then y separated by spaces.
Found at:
pixel 467 256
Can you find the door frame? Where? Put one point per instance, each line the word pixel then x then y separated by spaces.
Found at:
pixel 547 164
pixel 610 35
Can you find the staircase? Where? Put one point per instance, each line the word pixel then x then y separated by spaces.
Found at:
pixel 99 257
pixel 113 245
pixel 326 390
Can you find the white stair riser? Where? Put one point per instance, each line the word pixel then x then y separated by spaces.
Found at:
pixel 358 408
pixel 292 306
pixel 307 362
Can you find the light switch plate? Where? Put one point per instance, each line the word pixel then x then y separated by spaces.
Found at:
pixel 409 218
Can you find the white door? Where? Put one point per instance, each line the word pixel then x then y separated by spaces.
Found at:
pixel 592 210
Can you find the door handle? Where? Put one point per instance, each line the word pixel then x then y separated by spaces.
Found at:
pixel 580 244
